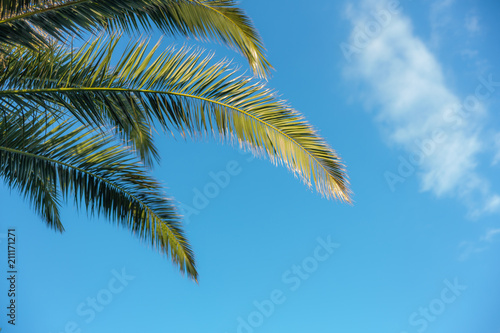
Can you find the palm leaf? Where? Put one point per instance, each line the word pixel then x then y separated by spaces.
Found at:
pixel 29 22
pixel 183 91
pixel 22 67
pixel 45 159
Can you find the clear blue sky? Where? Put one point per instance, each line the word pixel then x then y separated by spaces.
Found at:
pixel 408 95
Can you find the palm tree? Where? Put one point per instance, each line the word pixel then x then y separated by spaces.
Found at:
pixel 77 124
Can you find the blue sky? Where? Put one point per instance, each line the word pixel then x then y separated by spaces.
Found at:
pixel 408 94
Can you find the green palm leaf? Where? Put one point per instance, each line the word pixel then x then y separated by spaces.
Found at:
pixel 183 91
pixel 29 22
pixel 46 160
pixel 22 67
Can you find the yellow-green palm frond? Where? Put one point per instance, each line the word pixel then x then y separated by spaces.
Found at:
pixel 184 90
pixel 23 67
pixel 29 22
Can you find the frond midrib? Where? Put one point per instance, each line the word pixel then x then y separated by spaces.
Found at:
pixel 87 89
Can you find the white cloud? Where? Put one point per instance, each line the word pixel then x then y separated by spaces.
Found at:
pixel 493 205
pixel 488 237
pixel 423 116
pixel 467 249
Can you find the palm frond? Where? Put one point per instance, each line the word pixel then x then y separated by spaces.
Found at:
pixel 54 66
pixel 43 195
pixel 181 89
pixel 45 159
pixel 29 22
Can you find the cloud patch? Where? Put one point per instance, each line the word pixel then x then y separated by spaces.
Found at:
pixel 440 131
pixel 472 23
pixel 467 249
pixel 490 234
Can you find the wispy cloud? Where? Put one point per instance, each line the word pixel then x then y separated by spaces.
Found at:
pixel 469 53
pixel 440 19
pixel 468 249
pixel 490 234
pixel 472 23
pixel 454 29
pixel 407 87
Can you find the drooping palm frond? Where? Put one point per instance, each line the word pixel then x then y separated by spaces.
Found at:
pixel 181 89
pixel 28 22
pixel 48 161
pixel 42 193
